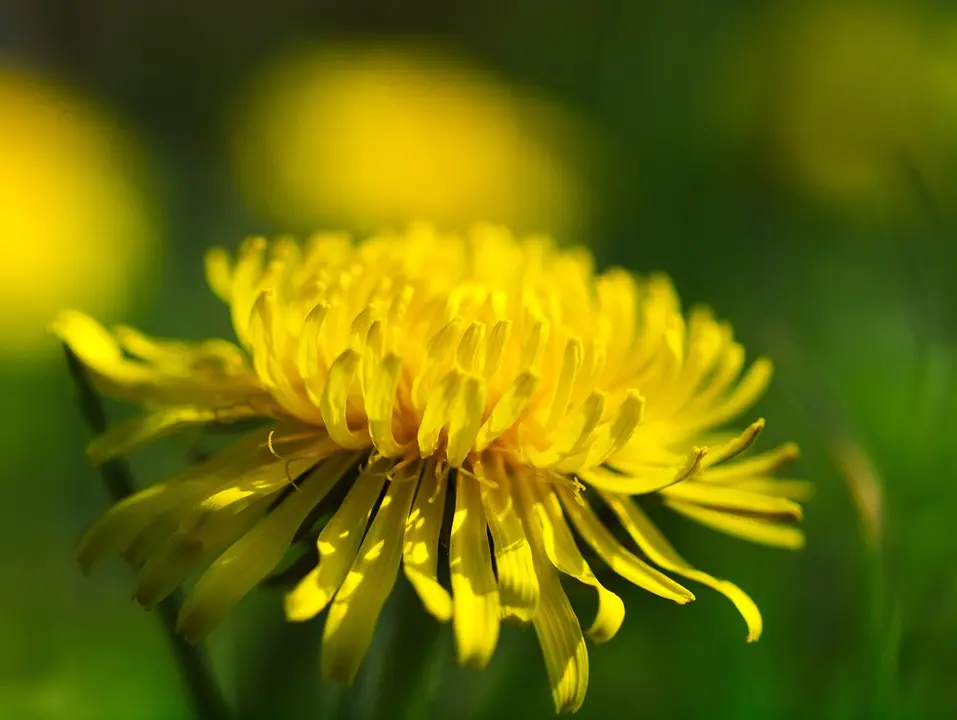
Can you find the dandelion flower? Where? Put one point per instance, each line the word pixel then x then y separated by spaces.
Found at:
pixel 480 393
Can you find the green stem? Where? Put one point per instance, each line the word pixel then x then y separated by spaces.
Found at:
pixel 204 692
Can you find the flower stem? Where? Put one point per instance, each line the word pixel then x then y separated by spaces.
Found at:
pixel 204 692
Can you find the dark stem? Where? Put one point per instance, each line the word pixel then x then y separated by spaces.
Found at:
pixel 204 692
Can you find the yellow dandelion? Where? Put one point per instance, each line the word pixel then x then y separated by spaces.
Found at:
pixel 480 394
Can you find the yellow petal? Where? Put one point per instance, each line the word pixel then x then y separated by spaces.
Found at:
pixel 338 544
pixel 268 347
pixel 535 343
pixel 758 530
pixel 564 555
pixel 759 465
pixel 275 472
pixel 571 365
pixel 572 436
pixel 744 395
pixel 150 539
pixel 508 409
pixel 725 372
pixel 309 358
pixel 219 273
pixel 168 567
pixel 517 581
pixel 380 406
pixel 618 558
pixel 472 340
pixel 177 380
pixel 128 435
pixel 118 528
pixel 465 421
pixel 557 627
pixel 335 399
pixel 475 601
pixel 609 437
pixel 661 552
pixel 640 483
pixel 114 531
pixel 731 498
pixel 495 347
pixel 247 272
pixel 420 546
pixel 353 614
pixel 256 554
pixel 92 344
pixel 437 350
pixel 438 411
pixel 799 490
pixel 735 446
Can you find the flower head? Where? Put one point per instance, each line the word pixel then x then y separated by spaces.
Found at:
pixel 478 387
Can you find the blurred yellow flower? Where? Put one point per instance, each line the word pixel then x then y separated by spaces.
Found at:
pixel 74 228
pixel 857 97
pixel 372 136
pixel 486 378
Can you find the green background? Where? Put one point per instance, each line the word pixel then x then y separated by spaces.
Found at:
pixel 854 298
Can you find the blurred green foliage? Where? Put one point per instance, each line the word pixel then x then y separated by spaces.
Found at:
pixel 848 285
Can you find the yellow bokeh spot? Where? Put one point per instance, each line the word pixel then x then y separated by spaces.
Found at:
pixel 365 136
pixel 860 104
pixel 853 99
pixel 74 228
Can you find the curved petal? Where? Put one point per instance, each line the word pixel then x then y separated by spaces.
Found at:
pixel 731 498
pixel 335 399
pixel 517 581
pixel 124 437
pixel 338 544
pixel 619 559
pixel 168 567
pixel 117 528
pixel 420 545
pixel 759 465
pixel 557 627
pixel 196 378
pixel 355 611
pixel 256 554
pixel 563 553
pixel 634 482
pixel 661 552
pixel 475 601
pixel 758 530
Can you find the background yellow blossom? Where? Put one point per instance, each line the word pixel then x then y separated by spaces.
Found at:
pixel 365 135
pixel 75 227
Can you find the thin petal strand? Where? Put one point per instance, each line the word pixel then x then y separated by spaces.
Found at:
pixel 475 597
pixel 338 544
pixel 420 545
pixel 757 530
pixel 661 552
pixel 563 553
pixel 256 554
pixel 619 559
pixel 517 581
pixel 354 612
